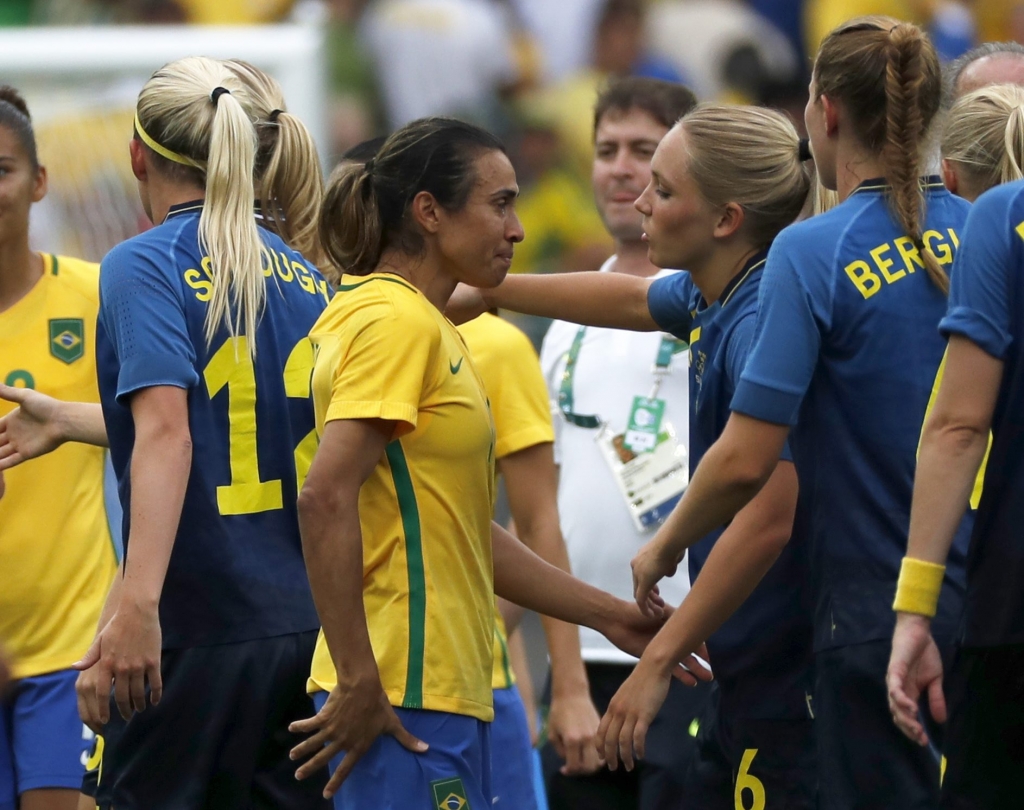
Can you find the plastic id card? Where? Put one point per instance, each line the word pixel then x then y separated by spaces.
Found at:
pixel 651 483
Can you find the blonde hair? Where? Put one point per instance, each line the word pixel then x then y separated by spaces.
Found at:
pixel 289 178
pixel 198 113
pixel 749 156
pixel 886 74
pixel 984 134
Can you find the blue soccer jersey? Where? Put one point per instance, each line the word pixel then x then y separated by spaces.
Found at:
pixel 762 654
pixel 236 572
pixel 846 350
pixel 986 306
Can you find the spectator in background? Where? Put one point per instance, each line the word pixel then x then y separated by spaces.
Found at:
pixel 989 63
pixel 620 48
pixel 442 57
pixel 563 30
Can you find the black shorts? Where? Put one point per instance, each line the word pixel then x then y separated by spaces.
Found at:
pixel 751 763
pixel 656 782
pixel 219 738
pixel 985 732
pixel 864 761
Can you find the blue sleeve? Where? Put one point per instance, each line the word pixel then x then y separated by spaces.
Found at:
pixel 669 301
pixel 143 312
pixel 787 337
pixel 737 350
pixel 979 291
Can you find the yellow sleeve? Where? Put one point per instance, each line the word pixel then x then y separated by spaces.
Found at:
pixel 515 386
pixel 387 362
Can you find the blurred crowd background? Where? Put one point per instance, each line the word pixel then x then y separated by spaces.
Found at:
pixel 529 70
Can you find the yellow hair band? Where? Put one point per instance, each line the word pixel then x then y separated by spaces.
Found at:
pixel 163 151
pixel 918 588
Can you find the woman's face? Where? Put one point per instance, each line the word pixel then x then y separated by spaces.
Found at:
pixel 21 184
pixel 477 241
pixel 678 222
pixel 822 146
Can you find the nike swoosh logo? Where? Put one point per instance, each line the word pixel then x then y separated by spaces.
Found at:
pixel 455 368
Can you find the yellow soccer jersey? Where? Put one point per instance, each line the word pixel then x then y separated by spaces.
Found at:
pixel 515 387
pixel 384 351
pixel 56 553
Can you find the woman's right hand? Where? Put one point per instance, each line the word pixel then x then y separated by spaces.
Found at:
pixel 650 565
pixel 353 717
pixel 30 430
pixel 466 304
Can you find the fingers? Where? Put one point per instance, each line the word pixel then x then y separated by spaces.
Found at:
pixel 122 692
pixel 937 701
pixel 137 690
pixel 700 672
pixel 406 739
pixel 610 745
pixel 9 458
pixel 321 760
pixel 309 725
pixel 683 675
pixel 626 743
pixel 310 746
pixel 639 740
pixel 92 655
pixel 342 772
pixel 156 683
pixel 85 693
pixel 12 394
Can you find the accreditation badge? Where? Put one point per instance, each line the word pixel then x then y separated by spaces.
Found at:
pixel 650 482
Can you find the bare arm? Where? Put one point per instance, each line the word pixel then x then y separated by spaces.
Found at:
pixel 614 300
pixel 358 710
pixel 40 424
pixel 128 647
pixel 729 476
pixel 531 481
pixel 953 444
pixel 524 578
pixel 742 555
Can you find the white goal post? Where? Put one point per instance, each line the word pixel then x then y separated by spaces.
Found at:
pixel 81 84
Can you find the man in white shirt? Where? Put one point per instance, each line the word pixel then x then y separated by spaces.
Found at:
pixel 593 377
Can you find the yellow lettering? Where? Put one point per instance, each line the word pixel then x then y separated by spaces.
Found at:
pixel 325 291
pixel 303 277
pixel 204 289
pixel 207 266
pixel 909 254
pixel 298 378
pixel 932 239
pixel 866 281
pixel 269 262
pixel 284 269
pixel 231 367
pixel 746 781
pixel 952 237
pixel 884 264
pixel 1020 230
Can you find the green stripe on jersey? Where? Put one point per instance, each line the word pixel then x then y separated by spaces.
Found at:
pixel 410 513
pixel 504 659
pixel 350 287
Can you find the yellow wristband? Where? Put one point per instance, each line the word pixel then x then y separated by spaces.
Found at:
pixel 918 588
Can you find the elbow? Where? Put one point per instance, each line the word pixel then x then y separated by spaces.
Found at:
pixel 748 472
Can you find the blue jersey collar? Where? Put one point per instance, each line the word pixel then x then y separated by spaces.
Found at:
pixel 184 208
pixel 755 262
pixel 879 184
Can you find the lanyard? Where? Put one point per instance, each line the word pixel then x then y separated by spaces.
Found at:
pixel 668 347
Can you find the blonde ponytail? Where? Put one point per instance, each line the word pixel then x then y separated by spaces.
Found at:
pixel 984 136
pixel 195 116
pixel 227 227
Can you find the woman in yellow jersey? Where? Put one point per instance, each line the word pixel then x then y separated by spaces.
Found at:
pixel 55 547
pixel 395 514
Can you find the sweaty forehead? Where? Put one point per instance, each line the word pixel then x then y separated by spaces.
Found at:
pixel 999 68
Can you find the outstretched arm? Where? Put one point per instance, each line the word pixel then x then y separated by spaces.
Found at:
pixel 741 557
pixel 729 476
pixel 40 424
pixel 613 300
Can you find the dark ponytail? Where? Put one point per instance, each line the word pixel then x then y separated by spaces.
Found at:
pixel 14 115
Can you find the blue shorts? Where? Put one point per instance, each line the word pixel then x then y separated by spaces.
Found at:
pixel 512 755
pixel 455 774
pixel 42 740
